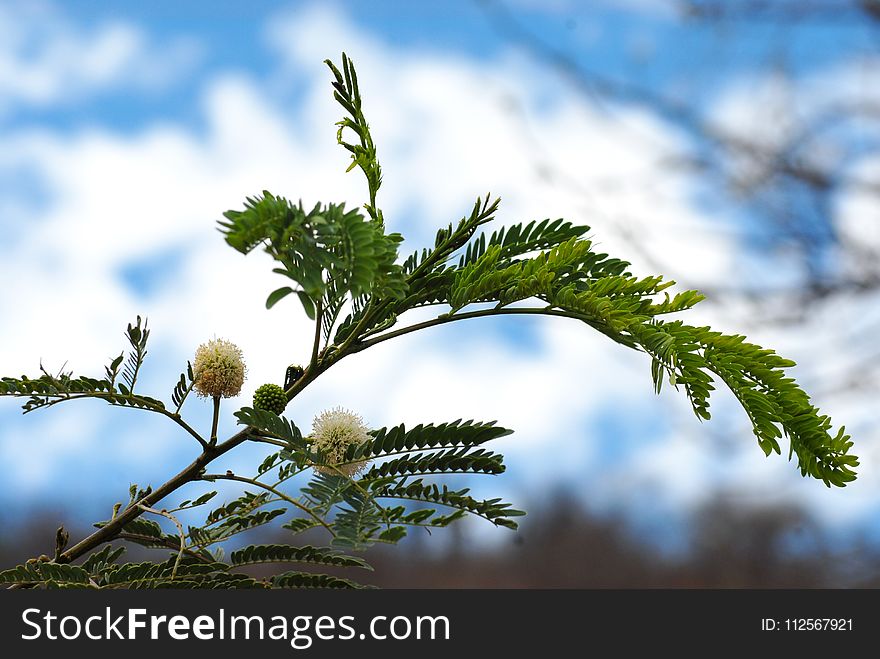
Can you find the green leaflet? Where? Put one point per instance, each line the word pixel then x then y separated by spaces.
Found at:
pixel 454 460
pixel 363 153
pixel 286 554
pixel 774 403
pixel 310 580
pixel 494 510
pixel 230 526
pixel 271 424
pixel 102 560
pixel 46 573
pixel 518 239
pixel 420 437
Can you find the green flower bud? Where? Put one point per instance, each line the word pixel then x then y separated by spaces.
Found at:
pixel 270 397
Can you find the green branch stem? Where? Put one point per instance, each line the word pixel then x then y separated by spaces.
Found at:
pixel 183 424
pixel 269 488
pixel 268 440
pixel 481 313
pixel 215 421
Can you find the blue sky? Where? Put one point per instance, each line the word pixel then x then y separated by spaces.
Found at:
pixel 127 130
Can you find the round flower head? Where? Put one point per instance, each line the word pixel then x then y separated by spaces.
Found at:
pixel 218 369
pixel 270 397
pixel 333 431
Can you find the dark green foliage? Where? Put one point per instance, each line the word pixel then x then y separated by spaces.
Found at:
pixel 48 389
pixel 300 524
pixel 287 554
pixel 310 580
pixel 198 501
pixel 271 425
pixel 493 510
pixel 183 387
pixel 452 461
pixel 137 335
pixel 233 525
pixel 326 244
pixel 244 504
pixel 101 571
pixel 358 520
pixel 445 435
pixel 53 575
pixel 100 561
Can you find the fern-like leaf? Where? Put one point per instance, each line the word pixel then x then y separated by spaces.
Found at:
pixel 310 580
pixel 286 554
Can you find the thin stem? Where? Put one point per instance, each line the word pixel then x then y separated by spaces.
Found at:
pixel 215 421
pixel 112 398
pixel 482 313
pixel 183 424
pixel 365 493
pixel 268 488
pixel 319 316
pixel 239 511
pixel 269 440
pixel 165 513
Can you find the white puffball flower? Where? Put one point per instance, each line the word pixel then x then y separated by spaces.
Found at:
pixel 218 369
pixel 333 431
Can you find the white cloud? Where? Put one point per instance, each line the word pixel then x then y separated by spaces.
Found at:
pixel 652 8
pixel 46 59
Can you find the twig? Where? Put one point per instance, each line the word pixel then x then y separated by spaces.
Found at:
pixel 165 513
pixel 269 488
pixel 319 315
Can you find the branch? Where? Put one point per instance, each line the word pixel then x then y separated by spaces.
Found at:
pixel 112 398
pixel 191 473
pixel 482 313
pixel 268 488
